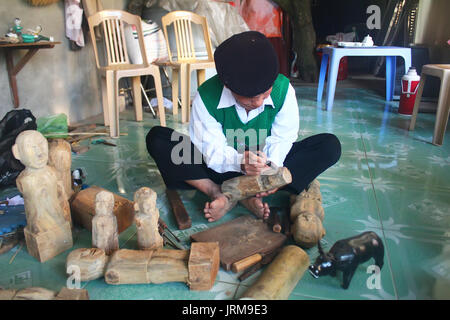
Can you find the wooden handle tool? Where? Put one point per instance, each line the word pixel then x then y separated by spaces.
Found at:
pixel 274 219
pixel 246 263
pixel 179 211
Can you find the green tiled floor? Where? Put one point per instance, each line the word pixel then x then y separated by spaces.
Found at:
pixel 388 180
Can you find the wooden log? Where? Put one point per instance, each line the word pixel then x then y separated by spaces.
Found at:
pixel 243 187
pixel 48 230
pixel 307 230
pixel 34 293
pixel 149 266
pixel 266 259
pixel 7 294
pixel 91 263
pixel 179 211
pixel 72 294
pixel 60 158
pixel 104 224
pixel 128 267
pixel 197 267
pixel 146 220
pixel 203 265
pixel 168 266
pixel 246 263
pixel 281 276
pixel 83 209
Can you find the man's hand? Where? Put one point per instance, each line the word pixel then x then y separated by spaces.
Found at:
pixel 253 164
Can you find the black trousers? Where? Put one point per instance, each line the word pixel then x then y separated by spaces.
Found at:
pixel 306 160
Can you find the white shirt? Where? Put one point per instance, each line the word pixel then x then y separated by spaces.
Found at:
pixel 207 135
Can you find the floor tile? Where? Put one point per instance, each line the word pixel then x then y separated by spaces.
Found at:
pixel 407 208
pixel 354 202
pixel 100 290
pixel 421 265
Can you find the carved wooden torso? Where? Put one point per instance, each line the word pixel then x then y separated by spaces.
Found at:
pixel 43 204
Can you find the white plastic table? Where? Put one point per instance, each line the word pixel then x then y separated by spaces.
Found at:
pixel 335 55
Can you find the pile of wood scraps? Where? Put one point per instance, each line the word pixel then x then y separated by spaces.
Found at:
pixel 80 133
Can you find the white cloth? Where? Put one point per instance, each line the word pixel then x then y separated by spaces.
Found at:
pixel 207 135
pixel 74 18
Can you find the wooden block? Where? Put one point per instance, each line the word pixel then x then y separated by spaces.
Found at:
pixel 168 265
pixel 83 209
pixel 72 294
pixel 203 265
pixel 281 276
pixel 179 211
pixel 91 263
pixel 128 267
pixel 7 294
pixel 34 293
pixel 46 245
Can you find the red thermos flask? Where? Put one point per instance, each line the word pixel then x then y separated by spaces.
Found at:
pixel 410 84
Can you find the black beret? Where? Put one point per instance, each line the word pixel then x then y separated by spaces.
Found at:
pixel 247 63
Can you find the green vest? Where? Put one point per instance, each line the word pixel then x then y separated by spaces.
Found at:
pixel 242 136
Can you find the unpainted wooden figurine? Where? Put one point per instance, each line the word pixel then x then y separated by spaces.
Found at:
pixel 104 224
pixel 146 220
pixel 307 215
pixel 282 275
pixel 48 231
pixel 60 158
pixel 196 267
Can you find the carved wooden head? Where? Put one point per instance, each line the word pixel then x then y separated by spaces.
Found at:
pixel 31 148
pixel 145 200
pixel 104 203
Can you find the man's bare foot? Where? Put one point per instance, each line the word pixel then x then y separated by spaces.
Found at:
pixel 257 207
pixel 217 208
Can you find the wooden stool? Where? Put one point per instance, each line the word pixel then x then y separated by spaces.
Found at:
pixel 441 71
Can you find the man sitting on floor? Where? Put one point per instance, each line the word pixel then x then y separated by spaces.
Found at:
pixel 241 118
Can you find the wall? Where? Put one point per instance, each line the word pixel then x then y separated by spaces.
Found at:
pixel 433 23
pixel 55 80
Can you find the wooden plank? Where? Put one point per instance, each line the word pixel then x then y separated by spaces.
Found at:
pixel 179 211
pixel 25 45
pixel 241 238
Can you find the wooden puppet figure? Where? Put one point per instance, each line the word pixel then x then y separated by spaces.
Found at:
pixel 48 231
pixel 146 219
pixel 60 157
pixel 104 224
